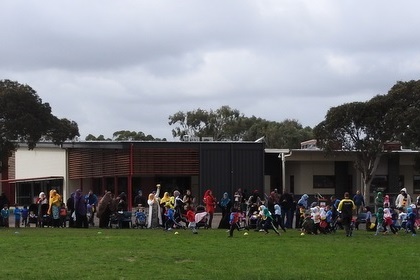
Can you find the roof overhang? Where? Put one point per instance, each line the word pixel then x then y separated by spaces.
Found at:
pixel 34 179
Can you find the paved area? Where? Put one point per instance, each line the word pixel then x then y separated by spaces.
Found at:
pixel 216 221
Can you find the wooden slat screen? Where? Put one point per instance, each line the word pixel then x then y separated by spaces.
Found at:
pixel 149 161
pixel 90 163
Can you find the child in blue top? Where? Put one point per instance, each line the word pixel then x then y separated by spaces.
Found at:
pixel 18 213
pixel 25 215
pixel 278 217
pixel 411 220
pixel 170 215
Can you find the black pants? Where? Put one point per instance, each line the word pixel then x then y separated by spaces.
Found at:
pixel 279 222
pixel 346 222
pixel 81 221
pixel 233 226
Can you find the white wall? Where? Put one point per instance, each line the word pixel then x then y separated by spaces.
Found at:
pixel 40 162
pixel 303 173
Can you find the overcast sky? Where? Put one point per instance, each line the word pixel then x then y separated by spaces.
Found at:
pixel 129 65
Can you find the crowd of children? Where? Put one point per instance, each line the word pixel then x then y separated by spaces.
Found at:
pixel 325 218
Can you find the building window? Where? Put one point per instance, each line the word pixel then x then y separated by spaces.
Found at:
pixel 324 182
pixel 416 183
pixel 379 183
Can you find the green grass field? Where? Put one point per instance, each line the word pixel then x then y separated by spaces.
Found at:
pixel 47 253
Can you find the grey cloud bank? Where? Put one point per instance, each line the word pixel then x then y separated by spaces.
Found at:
pixel 113 65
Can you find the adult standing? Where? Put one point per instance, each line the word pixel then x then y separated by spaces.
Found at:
pixel 379 201
pixel 92 202
pixel 254 203
pixel 154 215
pixel 122 204
pixel 303 201
pixel 188 200
pixel 70 209
pixel 225 204
pixel 140 200
pixel 80 209
pixel 359 201
pixel 178 205
pixel 287 209
pixel 210 203
pixel 54 207
pixel 346 208
pixel 41 201
pixel 105 209
pixel 237 199
pixel 403 200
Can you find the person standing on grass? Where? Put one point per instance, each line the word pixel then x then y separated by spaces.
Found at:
pixel 388 221
pixel 154 215
pixel 165 200
pixel 140 200
pixel 80 209
pixel 346 208
pixel 54 207
pixel 359 201
pixel 70 209
pixel 42 199
pixel 379 220
pixel 210 203
pixel 92 200
pixel 403 199
pixel 302 202
pixel 5 215
pixel 18 213
pixel 105 209
pixel 225 204
pixel 411 220
pixel 287 208
pixel 63 215
pixel 25 215
pixel 188 200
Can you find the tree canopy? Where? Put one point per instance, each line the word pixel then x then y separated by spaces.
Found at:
pixel 25 118
pixel 226 123
pixel 365 127
pixel 124 135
